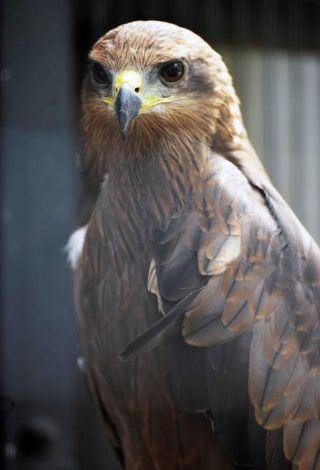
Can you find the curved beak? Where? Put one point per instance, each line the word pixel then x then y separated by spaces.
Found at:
pixel 127 105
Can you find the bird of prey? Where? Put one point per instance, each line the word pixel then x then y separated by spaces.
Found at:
pixel 197 289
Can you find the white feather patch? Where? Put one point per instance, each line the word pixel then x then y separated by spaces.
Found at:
pixel 237 125
pixel 75 246
pixel 152 285
pixel 234 109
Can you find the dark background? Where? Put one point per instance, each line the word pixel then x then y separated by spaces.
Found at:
pixel 47 419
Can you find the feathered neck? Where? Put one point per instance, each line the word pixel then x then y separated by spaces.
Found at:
pixel 161 181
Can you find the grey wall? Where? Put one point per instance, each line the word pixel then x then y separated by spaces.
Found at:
pixel 37 214
pixel 280 95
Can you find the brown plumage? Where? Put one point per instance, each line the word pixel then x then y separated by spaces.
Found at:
pixel 194 268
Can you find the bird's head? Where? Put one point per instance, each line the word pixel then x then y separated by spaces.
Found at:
pixel 150 82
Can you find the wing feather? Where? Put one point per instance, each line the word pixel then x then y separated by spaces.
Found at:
pixel 254 265
pixel 234 260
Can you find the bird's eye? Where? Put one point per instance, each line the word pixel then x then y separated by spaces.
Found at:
pixel 99 74
pixel 172 72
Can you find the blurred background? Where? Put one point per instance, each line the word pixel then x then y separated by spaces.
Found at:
pixel 272 50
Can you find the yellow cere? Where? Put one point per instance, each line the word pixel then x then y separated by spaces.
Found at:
pixel 134 80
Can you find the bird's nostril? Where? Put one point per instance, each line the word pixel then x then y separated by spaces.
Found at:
pixel 137 89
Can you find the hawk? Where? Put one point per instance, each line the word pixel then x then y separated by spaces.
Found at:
pixel 197 289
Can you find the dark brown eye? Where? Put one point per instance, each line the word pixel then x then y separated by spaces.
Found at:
pixel 99 74
pixel 172 72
